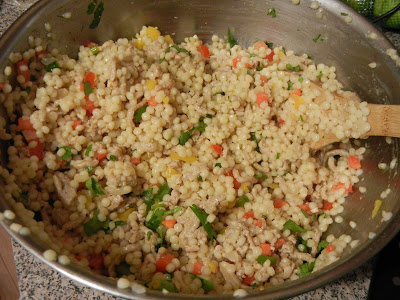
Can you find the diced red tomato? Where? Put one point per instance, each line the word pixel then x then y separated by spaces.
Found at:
pixel 248 280
pixel 235 61
pixel 101 156
pixel 90 77
pixel 279 243
pixel 37 151
pixel 279 203
pixel 330 248
pixel 266 249
pixel 29 135
pixel 96 261
pixel 248 66
pixel 354 162
pixel 152 102
pixel 76 124
pixel 270 57
pixel 23 62
pixel 135 161
pixel 89 106
pixel 264 80
pixel 305 207
pixel 236 184
pixel 41 53
pixel 262 97
pixel 204 51
pixel 248 215
pixel 218 149
pixel 169 223
pixel 260 44
pixel 340 185
pixel 282 121
pixel 296 92
pixel 258 223
pixel 25 124
pixel 197 268
pixel 163 261
pixel 326 205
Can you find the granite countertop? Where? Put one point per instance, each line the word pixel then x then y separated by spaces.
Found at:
pixel 38 281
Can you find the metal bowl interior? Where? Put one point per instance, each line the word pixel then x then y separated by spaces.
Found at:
pixel 345 46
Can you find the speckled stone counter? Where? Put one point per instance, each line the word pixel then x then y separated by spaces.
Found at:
pixel 38 281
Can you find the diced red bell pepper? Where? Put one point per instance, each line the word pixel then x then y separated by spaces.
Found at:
pixel 236 184
pixel 258 223
pixel 279 203
pixel 135 161
pixel 264 80
pixel 101 156
pixel 37 151
pixel 163 261
pixel 152 102
pixel 89 106
pixel 305 207
pixel 262 97
pixel 270 57
pixel 76 123
pixel 260 44
pixel 197 268
pixel 354 162
pixel 330 248
pixel 326 205
pixel 90 77
pixel 204 51
pixel 218 149
pixel 25 124
pixel 248 280
pixel 96 261
pixel 168 223
pixel 248 215
pixel 279 243
pixel 266 249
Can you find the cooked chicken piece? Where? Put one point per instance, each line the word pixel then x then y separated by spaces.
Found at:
pixel 63 187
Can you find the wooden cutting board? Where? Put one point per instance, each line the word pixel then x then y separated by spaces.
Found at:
pixel 8 275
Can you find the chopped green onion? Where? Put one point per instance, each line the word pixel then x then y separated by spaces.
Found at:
pixel 290 85
pixel 242 200
pixel 181 50
pixel 220 93
pixel 269 44
pixel 207 285
pixel 253 55
pixel 293 68
pixel 259 68
pixel 320 75
pixel 218 165
pixel 304 213
pixel 68 153
pixel 263 258
pixel 202 216
pixel 94 50
pixel 301 118
pixel 232 42
pixel 167 284
pixel 301 79
pixel 119 223
pixel 278 155
pixel 53 65
pixel 91 7
pixel 322 245
pixel 149 235
pixel 306 268
pixel 318 38
pixel 94 187
pixel 113 158
pixel 260 175
pixel 137 116
pixel 89 169
pixel 199 178
pixel 88 149
pixel 94 225
pixel 253 138
pixel 293 227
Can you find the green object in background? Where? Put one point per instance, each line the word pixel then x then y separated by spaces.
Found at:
pixel 383 6
pixel 364 7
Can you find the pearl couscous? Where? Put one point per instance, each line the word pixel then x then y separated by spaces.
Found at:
pixel 180 167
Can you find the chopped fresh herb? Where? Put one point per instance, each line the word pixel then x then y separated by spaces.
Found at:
pixel 220 93
pixel 248 72
pixel 271 12
pixel 173 211
pixel 161 230
pixel 68 153
pixel 306 268
pixel 259 68
pixel 91 7
pixel 162 191
pixel 253 55
pixel 88 149
pixel 155 219
pixel 149 233
pixel 87 88
pixel 290 85
pixel 301 79
pixel 137 116
pixel 181 50
pixel 218 165
pixel 119 223
pixel 167 284
pixel 301 245
pixel 27 89
pixel 318 37
pixel 293 68
pixel 113 158
pixel 199 178
pixel 94 50
pixel 301 118
pixel 147 194
pixel 263 258
pixel 309 56
pixel 162 60
pixel 242 200
pixel 278 155
pixel 50 67
pixel 94 187
pixel 89 169
pixel 314 216
pixel 320 75
pixel 97 16
pixel 322 245
pixel 232 42
pixel 202 216
pixel 93 226
pixel 344 14
pixel 260 175
pixel 254 138
pixel 269 44
pixel 304 213
pixel 209 116
pixel 185 136
pixel 202 125
pixel 254 285
pixel 122 269
pixel 207 285
pixel 293 227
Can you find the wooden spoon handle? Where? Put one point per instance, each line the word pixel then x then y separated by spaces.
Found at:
pixel 384 120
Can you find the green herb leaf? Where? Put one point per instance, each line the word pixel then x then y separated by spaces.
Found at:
pixel 122 269
pixel 218 165
pixel 50 67
pixel 155 219
pixel 306 268
pixel 304 213
pixel 242 200
pixel 167 284
pixel 94 50
pixel 309 56
pixel 253 138
pixel 119 223
pixel 271 12
pixel 254 285
pixel 97 16
pixel 113 158
pixel 161 230
pixel 199 178
pixel 209 116
pixel 293 68
pixel 181 50
pixel 320 75
pixel 87 88
pixel 301 118
pixel 301 79
pixel 137 116
pixel 94 187
pixel 232 42
pixel 173 211
pixel 185 136
pixel 94 225
pixel 201 126
pixel 253 55
pixel 149 235
pixel 162 191
pixel 207 285
pixel 263 258
pixel 202 216
pixel 318 37
pixel 322 245
pixel 88 149
pixel 344 14
pixel 259 68
pixel 293 227
pixel 27 89
pixel 68 153
pixel 269 44
pixel 91 7
pixel 260 175
pixel 89 169
pixel 278 155
pixel 290 85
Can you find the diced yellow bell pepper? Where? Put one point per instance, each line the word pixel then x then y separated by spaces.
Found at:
pixel 298 100
pixel 281 54
pixel 139 43
pixel 245 188
pixel 169 172
pixel 124 216
pixel 151 84
pixel 212 267
pixel 273 185
pixel 377 206
pixel 166 99
pixel 169 39
pixel 188 159
pixel 152 33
